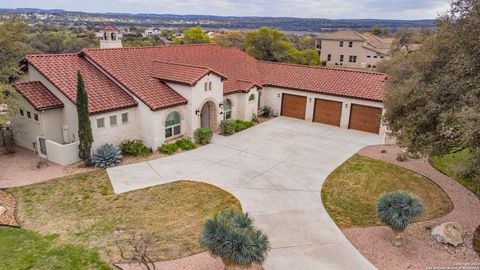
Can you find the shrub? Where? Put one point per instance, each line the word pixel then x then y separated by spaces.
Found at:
pixel 241 125
pixel 186 144
pixel 397 209
pixel 402 157
pixel 254 118
pixel 134 148
pixel 168 149
pixel 203 135
pixel 231 236
pixel 228 126
pixel 266 111
pixel 107 156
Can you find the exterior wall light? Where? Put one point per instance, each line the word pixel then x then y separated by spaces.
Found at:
pixel 309 99
pixel 346 105
pixel 278 95
pixel 197 112
pixel 220 105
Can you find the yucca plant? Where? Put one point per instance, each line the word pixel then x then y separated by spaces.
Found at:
pixel 397 209
pixel 231 236
pixel 107 155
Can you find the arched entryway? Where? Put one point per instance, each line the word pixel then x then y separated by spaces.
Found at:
pixel 208 115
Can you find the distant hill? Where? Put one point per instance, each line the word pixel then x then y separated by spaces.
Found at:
pixel 218 22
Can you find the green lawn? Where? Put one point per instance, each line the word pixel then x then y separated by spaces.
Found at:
pixel 83 211
pixel 350 192
pixel 22 249
pixel 453 165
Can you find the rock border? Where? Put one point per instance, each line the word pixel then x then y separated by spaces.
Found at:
pixel 9 217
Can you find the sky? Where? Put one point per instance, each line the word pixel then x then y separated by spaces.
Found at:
pixel 332 9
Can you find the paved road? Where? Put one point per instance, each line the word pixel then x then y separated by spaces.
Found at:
pixel 276 170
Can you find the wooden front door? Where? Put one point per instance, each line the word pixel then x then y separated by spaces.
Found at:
pixel 205 116
pixel 294 106
pixel 327 112
pixel 365 118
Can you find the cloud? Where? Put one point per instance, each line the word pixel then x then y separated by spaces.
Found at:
pixel 400 9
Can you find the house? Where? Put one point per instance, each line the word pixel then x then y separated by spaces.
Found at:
pixel 110 37
pixel 353 49
pixel 160 94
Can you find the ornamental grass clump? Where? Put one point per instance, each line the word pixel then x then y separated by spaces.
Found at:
pixel 106 156
pixel 231 236
pixel 397 209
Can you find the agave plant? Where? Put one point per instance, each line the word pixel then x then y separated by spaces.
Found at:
pixel 231 236
pixel 107 155
pixel 397 209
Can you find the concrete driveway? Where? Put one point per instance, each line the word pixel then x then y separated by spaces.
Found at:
pixel 276 170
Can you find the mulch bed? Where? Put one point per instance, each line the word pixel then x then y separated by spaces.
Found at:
pixel 8 201
pixel 420 250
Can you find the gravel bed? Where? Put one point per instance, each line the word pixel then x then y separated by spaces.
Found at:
pixel 420 250
pixel 8 201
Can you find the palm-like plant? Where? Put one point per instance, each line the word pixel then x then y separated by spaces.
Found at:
pixel 397 209
pixel 231 236
pixel 107 155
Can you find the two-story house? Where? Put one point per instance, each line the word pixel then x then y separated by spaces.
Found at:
pixel 353 49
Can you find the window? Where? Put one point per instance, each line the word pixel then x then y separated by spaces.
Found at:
pixel 374 56
pixel 341 43
pixel 350 44
pixel 227 109
pixel 381 56
pixel 352 59
pixel 172 124
pixel 341 58
pixel 329 57
pixel 251 97
pixel 206 86
pixel 114 37
pixel 368 56
pixel 210 86
pixel 113 120
pixel 100 122
pixel 124 118
pixel 35 116
pixel 22 113
pixel 29 115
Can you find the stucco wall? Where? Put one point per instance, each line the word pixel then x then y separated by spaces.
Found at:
pixel 272 97
pixel 69 111
pixel 51 121
pixel 114 134
pixel 197 97
pixel 332 47
pixel 63 154
pixel 25 130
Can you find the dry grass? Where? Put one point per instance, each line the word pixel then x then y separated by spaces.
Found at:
pixel 83 210
pixel 351 191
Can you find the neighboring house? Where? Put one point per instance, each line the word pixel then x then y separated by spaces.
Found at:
pixel 160 94
pixel 353 49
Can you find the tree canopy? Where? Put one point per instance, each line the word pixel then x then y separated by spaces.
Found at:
pixel 11 51
pixel 193 35
pixel 433 97
pixel 272 45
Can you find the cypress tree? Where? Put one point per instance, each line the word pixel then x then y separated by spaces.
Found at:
pixel 84 127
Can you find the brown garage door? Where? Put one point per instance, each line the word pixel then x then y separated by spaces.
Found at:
pixel 365 118
pixel 327 112
pixel 294 106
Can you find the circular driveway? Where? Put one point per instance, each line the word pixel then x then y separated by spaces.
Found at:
pixel 276 170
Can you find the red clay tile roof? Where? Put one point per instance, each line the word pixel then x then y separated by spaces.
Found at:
pixel 110 28
pixel 61 70
pixel 144 71
pixel 180 73
pixel 38 95
pixel 130 66
pixel 339 82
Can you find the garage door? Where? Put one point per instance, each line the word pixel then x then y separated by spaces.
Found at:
pixel 365 118
pixel 294 106
pixel 327 112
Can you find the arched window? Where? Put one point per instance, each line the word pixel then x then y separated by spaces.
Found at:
pixel 227 109
pixel 251 97
pixel 172 124
pixel 114 37
pixel 104 35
